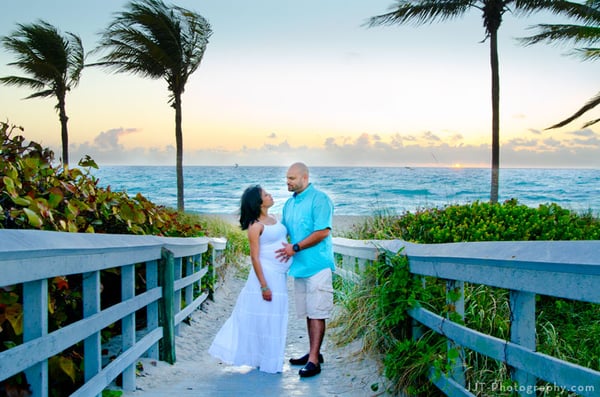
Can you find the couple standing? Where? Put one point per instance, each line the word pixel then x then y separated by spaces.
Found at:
pixel 255 334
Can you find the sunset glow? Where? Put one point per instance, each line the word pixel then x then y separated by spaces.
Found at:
pixel 269 91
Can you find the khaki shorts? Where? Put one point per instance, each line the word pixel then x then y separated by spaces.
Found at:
pixel 314 295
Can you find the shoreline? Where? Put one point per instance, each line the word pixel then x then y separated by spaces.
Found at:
pixel 341 223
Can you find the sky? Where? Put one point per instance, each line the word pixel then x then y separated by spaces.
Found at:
pixel 284 81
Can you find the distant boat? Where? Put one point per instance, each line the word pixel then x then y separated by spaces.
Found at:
pixel 236 165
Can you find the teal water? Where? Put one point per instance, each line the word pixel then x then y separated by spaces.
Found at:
pixel 360 190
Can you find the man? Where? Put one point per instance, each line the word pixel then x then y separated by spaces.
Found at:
pixel 308 216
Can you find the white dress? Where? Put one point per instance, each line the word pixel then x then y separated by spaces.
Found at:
pixel 255 333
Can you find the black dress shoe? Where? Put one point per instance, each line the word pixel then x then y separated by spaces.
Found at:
pixel 309 370
pixel 304 359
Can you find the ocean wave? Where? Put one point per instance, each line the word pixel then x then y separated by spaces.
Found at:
pixel 359 190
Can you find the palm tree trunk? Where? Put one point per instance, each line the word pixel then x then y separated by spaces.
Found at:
pixel 179 144
pixel 64 133
pixel 495 115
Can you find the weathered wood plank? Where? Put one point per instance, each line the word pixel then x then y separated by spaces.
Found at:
pixel 20 357
pixel 128 358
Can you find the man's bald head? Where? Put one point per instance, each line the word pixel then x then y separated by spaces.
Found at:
pixel 297 177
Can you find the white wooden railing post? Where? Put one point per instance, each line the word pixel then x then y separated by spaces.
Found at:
pixel 456 289
pixel 417 328
pixel 196 267
pixel 92 348
pixel 218 258
pixel 152 308
pixel 190 268
pixel 522 332
pixel 35 325
pixel 128 323
pixel 177 293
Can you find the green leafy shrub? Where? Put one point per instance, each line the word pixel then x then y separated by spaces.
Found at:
pixel 37 195
pixel 479 221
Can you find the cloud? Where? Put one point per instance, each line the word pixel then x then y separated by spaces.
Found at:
pixel 584 138
pixel 551 142
pixel 456 138
pixel 109 140
pixel 431 137
pixel 574 149
pixel 520 143
pixel 106 149
pixel 584 133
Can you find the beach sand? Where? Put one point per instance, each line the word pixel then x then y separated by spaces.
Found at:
pixel 341 223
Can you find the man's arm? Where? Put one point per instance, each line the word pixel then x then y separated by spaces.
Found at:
pixel 313 239
pixel 287 250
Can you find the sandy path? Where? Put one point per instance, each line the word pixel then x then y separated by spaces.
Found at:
pixel 345 373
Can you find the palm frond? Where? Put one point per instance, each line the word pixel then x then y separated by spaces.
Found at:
pixel 592 103
pixel 588 12
pixel 52 61
pixel 152 40
pixel 133 52
pixel 76 59
pixel 46 55
pixel 421 12
pixel 589 54
pixel 563 33
pixel 590 123
pixel 19 81
pixel 42 94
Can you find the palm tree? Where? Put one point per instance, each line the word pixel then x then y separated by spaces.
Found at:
pixel 154 40
pixel 53 62
pixel 588 33
pixel 492 11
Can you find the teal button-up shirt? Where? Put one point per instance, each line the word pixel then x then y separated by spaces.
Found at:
pixel 303 214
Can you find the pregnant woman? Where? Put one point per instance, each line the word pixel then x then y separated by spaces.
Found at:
pixel 255 333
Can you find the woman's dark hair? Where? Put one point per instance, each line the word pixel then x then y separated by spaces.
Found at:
pixel 250 206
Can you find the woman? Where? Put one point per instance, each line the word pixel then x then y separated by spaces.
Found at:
pixel 255 332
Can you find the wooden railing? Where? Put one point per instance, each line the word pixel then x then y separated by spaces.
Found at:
pixel 563 269
pixel 173 273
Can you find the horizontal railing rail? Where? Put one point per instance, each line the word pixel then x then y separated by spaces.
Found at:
pixel 562 269
pixel 173 269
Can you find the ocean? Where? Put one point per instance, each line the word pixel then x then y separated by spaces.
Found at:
pixel 359 190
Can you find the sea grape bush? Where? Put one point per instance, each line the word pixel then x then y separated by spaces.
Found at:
pixel 483 221
pixel 37 195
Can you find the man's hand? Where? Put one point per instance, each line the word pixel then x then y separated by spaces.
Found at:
pixel 285 252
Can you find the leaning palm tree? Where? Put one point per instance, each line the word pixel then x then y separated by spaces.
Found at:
pixel 53 62
pixel 587 34
pixel 428 11
pixel 154 40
